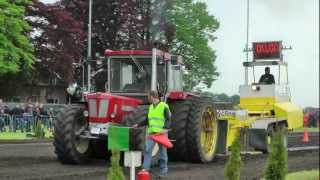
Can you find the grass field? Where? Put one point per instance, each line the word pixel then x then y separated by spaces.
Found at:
pixel 309 129
pixel 21 135
pixel 303 175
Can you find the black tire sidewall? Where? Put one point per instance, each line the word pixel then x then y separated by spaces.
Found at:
pixel 64 136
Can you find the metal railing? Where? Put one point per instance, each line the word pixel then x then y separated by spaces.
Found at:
pixel 25 123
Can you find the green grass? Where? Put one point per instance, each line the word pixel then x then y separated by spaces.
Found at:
pixel 21 136
pixel 13 136
pixel 309 130
pixel 303 175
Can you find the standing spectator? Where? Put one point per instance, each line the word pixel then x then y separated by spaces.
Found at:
pixel 29 118
pixel 43 115
pixel 17 117
pixel 6 111
pixel 2 120
pixel 36 115
pixel 1 116
pixel 50 121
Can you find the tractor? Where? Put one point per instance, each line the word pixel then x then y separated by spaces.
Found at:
pixel 81 130
pixel 263 107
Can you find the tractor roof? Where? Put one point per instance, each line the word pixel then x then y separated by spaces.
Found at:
pixel 264 63
pixel 160 54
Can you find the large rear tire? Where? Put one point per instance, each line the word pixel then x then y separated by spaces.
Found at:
pixel 69 147
pixel 180 111
pixel 202 132
pixel 138 115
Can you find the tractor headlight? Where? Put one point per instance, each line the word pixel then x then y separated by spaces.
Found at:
pixel 86 113
pixel 255 88
pixel 113 115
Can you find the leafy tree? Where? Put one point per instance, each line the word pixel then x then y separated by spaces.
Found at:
pixel 58 40
pixel 116 24
pixel 194 30
pixel 235 99
pixel 233 166
pixel 277 159
pixel 223 97
pixel 142 23
pixel 115 171
pixel 16 51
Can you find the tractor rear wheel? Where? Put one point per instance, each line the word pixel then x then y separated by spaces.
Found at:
pixel 137 116
pixel 180 112
pixel 202 132
pixel 69 147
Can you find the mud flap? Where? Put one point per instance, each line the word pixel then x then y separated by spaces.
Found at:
pixel 222 137
pixel 257 139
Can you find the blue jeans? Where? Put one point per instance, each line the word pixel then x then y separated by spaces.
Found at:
pixel 2 123
pixel 17 122
pixel 163 157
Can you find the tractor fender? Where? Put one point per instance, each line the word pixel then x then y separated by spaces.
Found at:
pixel 180 95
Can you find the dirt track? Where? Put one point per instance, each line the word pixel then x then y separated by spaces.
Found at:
pixel 37 161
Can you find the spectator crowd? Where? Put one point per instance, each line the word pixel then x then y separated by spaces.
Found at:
pixel 24 117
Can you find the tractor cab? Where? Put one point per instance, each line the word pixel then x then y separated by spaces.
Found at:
pixel 133 73
pixel 258 96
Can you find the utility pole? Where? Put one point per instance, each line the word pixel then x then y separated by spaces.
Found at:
pixel 247 44
pixel 89 56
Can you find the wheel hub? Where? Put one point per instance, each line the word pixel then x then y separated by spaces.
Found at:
pixel 208 131
pixel 81 144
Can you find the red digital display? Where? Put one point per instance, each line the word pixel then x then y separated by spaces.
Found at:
pixel 267 50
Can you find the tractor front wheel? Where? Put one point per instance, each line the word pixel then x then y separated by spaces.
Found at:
pixel 69 147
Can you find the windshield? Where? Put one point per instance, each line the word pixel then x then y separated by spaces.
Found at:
pixel 130 75
pixel 275 75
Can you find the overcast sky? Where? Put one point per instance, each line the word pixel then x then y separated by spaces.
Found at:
pixel 295 22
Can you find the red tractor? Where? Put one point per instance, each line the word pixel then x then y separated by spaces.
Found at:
pixel 80 131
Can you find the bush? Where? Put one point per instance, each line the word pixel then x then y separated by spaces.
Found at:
pixel 277 159
pixel 39 132
pixel 115 171
pixel 232 168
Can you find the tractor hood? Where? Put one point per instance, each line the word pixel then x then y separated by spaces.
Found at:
pixel 106 107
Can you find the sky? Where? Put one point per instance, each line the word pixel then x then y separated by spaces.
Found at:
pixel 295 22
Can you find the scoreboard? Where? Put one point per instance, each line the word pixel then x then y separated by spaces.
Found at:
pixel 267 50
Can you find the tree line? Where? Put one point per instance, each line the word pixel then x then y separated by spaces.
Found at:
pixel 40 40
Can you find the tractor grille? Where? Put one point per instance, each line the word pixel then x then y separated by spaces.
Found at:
pixel 104 104
pixel 103 108
pixel 92 107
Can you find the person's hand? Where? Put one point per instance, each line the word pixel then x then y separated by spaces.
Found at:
pixel 135 126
